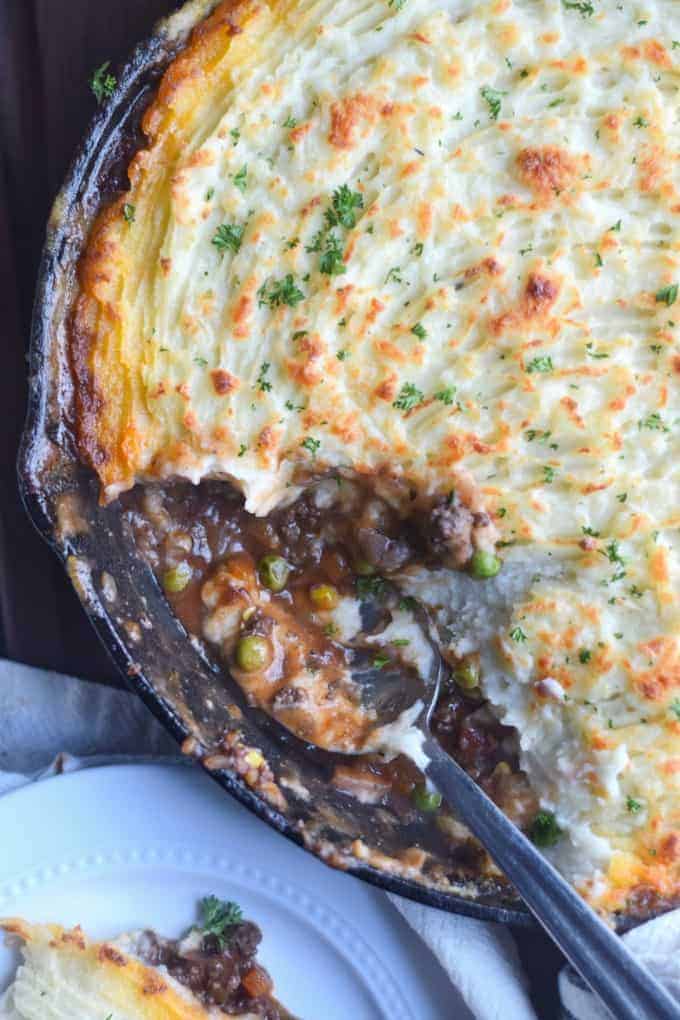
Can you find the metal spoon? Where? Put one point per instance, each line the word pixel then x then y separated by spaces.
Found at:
pixel 623 985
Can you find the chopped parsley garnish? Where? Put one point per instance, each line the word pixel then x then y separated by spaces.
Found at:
pixel 525 251
pixel 543 363
pixel 668 295
pixel 241 178
pixel 518 635
pixel 418 249
pixel 242 449
pixel 675 708
pixel 493 99
pixel 446 396
pixel 592 353
pixel 640 122
pixel 371 587
pixel 419 331
pixel 613 553
pixel 654 422
pixel 599 263
pixel 394 275
pixel 532 434
pixel 379 661
pixel 202 362
pixel 633 805
pixel 218 917
pixel 311 445
pixel 129 213
pixel 331 262
pixel 401 642
pixel 102 83
pixel 584 7
pixel 591 532
pixel 290 122
pixel 316 242
pixel 280 292
pixel 228 237
pixel 617 226
pixel 544 830
pixel 299 333
pixel 396 4
pixel 343 210
pixel 210 194
pixel 409 397
pixel 622 497
pixel 342 355
pixel 262 384
pixel 548 473
pixel 235 135
pixel 655 348
pixel 584 655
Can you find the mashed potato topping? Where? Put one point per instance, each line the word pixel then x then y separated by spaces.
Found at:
pixel 437 241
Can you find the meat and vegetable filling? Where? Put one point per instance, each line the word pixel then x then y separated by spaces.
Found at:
pixel 217 962
pixel 281 600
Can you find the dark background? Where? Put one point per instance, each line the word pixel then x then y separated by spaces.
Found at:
pixel 48 51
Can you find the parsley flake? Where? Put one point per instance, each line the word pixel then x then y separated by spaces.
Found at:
pixel 544 363
pixel 667 295
pixel 102 83
pixel 311 445
pixel 633 805
pixel 493 99
pixel 518 635
pixel 129 213
pixel 584 7
pixel 280 292
pixel 343 210
pixel 654 422
pixel 331 262
pixel 409 397
pixel 262 384
pixel 419 331
pixel 241 178
pixel 218 916
pixel 228 237
pixel 584 655
pixel 379 661
pixel 446 395
pixel 592 353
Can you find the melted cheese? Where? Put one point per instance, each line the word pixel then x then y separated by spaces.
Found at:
pixel 504 307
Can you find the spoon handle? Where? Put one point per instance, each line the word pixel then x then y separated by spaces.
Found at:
pixel 626 987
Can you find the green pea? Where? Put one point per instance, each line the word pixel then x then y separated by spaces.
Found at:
pixel 253 653
pixel 426 800
pixel 467 674
pixel 484 564
pixel 324 596
pixel 177 578
pixel 274 572
pixel 544 830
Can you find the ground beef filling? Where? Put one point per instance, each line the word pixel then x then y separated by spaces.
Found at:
pixel 337 540
pixel 221 973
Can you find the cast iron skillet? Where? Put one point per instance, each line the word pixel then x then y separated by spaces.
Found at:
pixel 177 680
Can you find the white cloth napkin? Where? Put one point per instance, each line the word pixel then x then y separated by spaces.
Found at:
pixel 53 723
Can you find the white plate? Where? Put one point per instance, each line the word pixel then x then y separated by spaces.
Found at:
pixel 129 846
